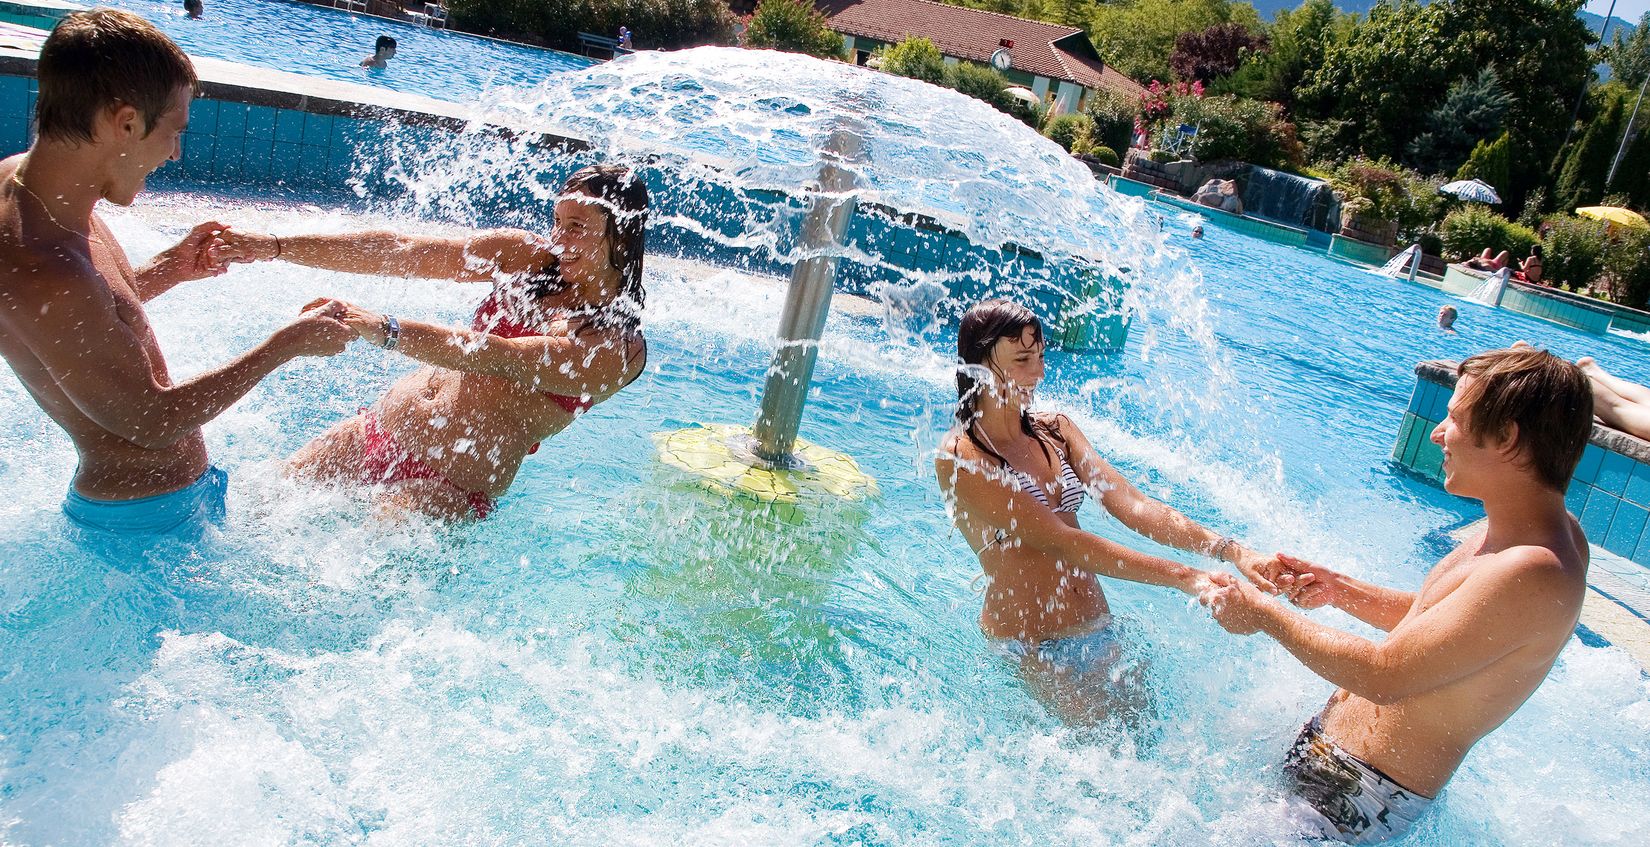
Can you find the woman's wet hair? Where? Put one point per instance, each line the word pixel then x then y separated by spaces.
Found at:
pixel 622 194
pixel 983 325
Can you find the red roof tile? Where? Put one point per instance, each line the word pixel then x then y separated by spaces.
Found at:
pixel 1050 50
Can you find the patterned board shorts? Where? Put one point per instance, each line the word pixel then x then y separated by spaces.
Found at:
pixel 1349 799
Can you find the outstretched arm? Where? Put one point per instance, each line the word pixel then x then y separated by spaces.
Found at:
pixel 481 257
pixel 1310 586
pixel 101 364
pixel 989 501
pixel 597 362
pixel 1502 606
pixel 1152 518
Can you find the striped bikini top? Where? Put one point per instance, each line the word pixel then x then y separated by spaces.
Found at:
pixel 1071 488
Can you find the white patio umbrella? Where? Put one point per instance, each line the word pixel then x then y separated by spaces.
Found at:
pixel 1022 94
pixel 1475 190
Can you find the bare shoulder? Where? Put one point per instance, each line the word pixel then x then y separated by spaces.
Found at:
pixel 1534 577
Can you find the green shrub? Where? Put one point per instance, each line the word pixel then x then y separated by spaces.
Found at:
pixel 916 58
pixel 1106 156
pixel 981 83
pixel 1491 163
pixel 793 26
pixel 1070 131
pixel 1469 230
pixel 1113 115
pixel 668 24
pixel 1575 251
pixel 1627 267
pixel 1236 128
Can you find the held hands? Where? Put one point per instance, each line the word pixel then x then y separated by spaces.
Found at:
pixel 198 256
pixel 1261 570
pixel 319 331
pixel 1238 607
pixel 368 326
pixel 1307 585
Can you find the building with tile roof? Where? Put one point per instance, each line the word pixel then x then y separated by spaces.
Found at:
pixel 1054 61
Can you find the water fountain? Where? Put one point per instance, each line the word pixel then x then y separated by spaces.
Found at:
pixel 1490 291
pixel 1407 262
pixel 1290 199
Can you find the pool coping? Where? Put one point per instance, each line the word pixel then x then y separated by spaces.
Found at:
pixel 238 83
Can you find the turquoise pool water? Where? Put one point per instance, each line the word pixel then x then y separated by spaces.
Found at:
pixel 618 658
pixel 299 38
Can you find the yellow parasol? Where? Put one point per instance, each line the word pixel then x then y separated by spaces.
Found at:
pixel 1615 215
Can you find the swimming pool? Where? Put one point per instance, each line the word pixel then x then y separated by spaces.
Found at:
pixel 299 38
pixel 618 657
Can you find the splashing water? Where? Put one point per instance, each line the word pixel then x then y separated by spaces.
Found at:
pixel 617 658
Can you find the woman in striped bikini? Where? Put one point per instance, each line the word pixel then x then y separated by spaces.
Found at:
pixel 1013 481
pixel 559 332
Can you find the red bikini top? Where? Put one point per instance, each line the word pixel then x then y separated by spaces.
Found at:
pixel 492 319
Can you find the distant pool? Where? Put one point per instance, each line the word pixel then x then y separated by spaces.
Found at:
pixel 304 39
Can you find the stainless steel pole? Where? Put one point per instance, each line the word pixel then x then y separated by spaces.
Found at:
pixel 1415 261
pixel 807 303
pixel 1625 134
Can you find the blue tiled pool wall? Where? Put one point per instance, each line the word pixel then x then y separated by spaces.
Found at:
pixel 1277 233
pixel 1555 308
pixel 236 143
pixel 1609 494
pixel 30 16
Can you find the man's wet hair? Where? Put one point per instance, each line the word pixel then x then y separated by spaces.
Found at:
pixel 1549 399
pixel 384 43
pixel 104 58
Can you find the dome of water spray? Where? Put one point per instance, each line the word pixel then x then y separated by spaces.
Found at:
pixel 958 201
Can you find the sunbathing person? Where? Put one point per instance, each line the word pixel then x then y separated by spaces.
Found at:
pixel 113 105
pixel 1013 481
pixel 1484 262
pixel 1531 269
pixel 1474 642
pixel 559 332
pixel 1617 403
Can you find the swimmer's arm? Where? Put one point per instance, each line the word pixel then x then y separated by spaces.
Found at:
pixel 1151 517
pixel 482 257
pixel 593 364
pixel 195 257
pixel 989 501
pixel 1501 607
pixel 1376 605
pixel 101 365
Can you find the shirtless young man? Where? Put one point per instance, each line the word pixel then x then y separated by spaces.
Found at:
pixel 114 101
pixel 1467 649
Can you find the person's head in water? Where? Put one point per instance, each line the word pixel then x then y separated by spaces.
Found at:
pixel 1446 317
pixel 1197 231
pixel 193 9
pixel 382 52
pixel 600 239
pixel 1006 340
pixel 114 98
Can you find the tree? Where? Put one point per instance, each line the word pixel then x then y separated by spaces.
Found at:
pixel 1136 37
pixel 1633 174
pixel 1298 39
pixel 1472 111
pixel 1581 183
pixel 666 24
pixel 917 58
pixel 1629 57
pixel 981 83
pixel 1490 163
pixel 794 26
pixel 1214 52
pixel 1398 64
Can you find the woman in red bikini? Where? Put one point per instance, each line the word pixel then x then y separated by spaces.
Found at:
pixel 559 332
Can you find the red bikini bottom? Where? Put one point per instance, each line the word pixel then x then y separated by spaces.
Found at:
pixel 384 461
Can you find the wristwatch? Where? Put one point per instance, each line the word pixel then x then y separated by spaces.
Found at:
pixel 392 332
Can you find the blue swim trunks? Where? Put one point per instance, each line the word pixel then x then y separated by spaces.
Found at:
pixel 188 508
